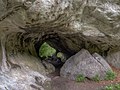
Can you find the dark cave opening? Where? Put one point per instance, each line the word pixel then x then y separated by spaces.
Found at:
pixel 57 59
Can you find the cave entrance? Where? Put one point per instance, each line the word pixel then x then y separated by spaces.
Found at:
pixel 51 55
pixel 53 50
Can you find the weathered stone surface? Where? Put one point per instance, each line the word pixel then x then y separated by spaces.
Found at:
pixel 68 24
pixel 27 61
pixel 49 67
pixel 83 63
pixel 113 58
pixel 75 24
pixel 91 21
pixel 24 79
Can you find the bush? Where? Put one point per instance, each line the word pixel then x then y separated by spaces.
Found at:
pixel 46 50
pixel 112 87
pixel 110 75
pixel 80 78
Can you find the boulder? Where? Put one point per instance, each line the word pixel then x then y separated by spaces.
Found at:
pixel 27 61
pixel 83 63
pixel 113 58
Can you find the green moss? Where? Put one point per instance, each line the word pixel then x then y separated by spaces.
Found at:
pixel 46 50
pixel 80 78
pixel 110 75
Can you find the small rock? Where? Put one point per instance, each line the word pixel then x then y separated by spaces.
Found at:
pixel 49 67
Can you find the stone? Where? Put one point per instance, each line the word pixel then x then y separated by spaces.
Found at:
pixel 72 20
pixel 113 57
pixel 24 79
pixel 83 63
pixel 27 61
pixel 69 25
pixel 48 66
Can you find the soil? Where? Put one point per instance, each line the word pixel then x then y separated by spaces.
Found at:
pixel 59 83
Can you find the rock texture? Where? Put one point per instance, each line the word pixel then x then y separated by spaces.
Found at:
pixel 113 58
pixel 67 25
pixel 25 79
pixel 74 24
pixel 27 61
pixel 83 63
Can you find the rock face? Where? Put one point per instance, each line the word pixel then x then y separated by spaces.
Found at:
pixel 83 63
pixel 21 79
pixel 68 25
pixel 27 61
pixel 94 23
pixel 74 24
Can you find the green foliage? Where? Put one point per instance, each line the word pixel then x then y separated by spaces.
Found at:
pixel 61 56
pixel 110 75
pixel 112 87
pixel 46 50
pixel 96 78
pixel 80 78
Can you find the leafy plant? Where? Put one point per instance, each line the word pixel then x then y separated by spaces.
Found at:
pixel 80 78
pixel 96 78
pixel 110 75
pixel 112 87
pixel 46 50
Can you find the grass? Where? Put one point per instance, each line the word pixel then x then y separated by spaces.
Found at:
pixel 96 78
pixel 112 87
pixel 80 78
pixel 46 50
pixel 110 75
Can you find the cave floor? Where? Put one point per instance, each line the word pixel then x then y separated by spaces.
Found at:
pixel 59 83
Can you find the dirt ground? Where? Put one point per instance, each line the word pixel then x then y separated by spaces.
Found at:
pixel 59 83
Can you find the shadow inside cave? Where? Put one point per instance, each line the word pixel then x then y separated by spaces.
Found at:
pixel 53 51
pixel 50 55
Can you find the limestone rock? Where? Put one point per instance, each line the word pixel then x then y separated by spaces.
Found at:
pixel 113 58
pixel 49 67
pixel 27 61
pixel 21 79
pixel 92 21
pixel 68 24
pixel 85 64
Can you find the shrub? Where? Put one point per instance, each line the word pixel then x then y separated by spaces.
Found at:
pixel 110 75
pixel 80 78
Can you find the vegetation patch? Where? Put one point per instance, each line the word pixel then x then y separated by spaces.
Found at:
pixel 110 75
pixel 80 78
pixel 46 50
pixel 96 78
pixel 112 87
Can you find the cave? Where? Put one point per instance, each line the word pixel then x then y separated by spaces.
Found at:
pixel 66 25
pixel 54 42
